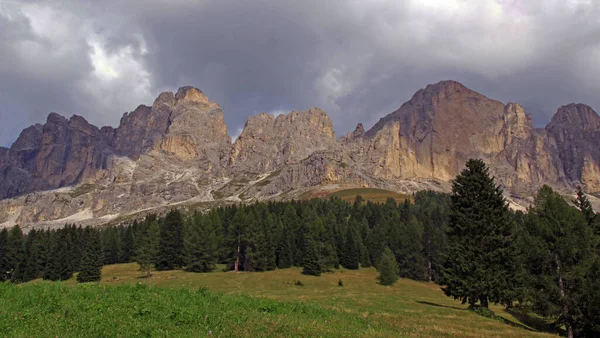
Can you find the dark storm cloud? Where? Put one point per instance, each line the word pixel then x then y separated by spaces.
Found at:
pixel 358 60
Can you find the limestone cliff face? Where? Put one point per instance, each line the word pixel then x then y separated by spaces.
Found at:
pixel 576 131
pixel 440 128
pixel 71 151
pixel 268 142
pixel 196 128
pixel 177 152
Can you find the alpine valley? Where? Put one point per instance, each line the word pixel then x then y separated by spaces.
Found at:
pixel 177 152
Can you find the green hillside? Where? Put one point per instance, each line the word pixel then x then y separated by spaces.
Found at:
pixel 177 303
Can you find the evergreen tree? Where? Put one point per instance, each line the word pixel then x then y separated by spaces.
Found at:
pixel 257 254
pixel 310 264
pixel 410 256
pixel 584 205
pixel 111 245
pixel 28 268
pixel 5 265
pixel 285 251
pixel 387 267
pixel 128 246
pixel 557 245
pixel 16 252
pixel 200 245
pixel 480 263
pixel 148 247
pixel 351 252
pixel 170 253
pixel 91 264
pixel 432 211
pixel 59 265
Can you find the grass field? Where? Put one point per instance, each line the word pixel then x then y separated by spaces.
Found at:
pixel 370 194
pixel 176 303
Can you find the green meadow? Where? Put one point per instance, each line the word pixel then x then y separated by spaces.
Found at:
pixel 256 304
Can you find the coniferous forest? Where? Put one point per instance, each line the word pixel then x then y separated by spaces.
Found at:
pixel 545 260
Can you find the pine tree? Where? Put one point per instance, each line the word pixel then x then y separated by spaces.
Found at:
pixel 170 253
pixel 200 245
pixel 410 255
pixel 148 246
pixel 480 262
pixel 91 264
pixel 28 268
pixel 310 263
pixel 5 265
pixel 387 267
pixel 584 205
pixel 128 246
pixel 111 245
pixel 557 245
pixel 16 253
pixel 285 251
pixel 59 265
pixel 351 252
pixel 432 211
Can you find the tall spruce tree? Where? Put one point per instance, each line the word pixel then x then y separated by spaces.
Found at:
pixel 128 245
pixel 170 253
pixel 16 253
pixel 200 245
pixel 588 324
pixel 387 267
pixel 480 263
pixel 351 252
pixel 5 264
pixel 557 245
pixel 60 265
pixel 411 261
pixel 310 263
pixel 584 205
pixel 90 269
pixel 148 247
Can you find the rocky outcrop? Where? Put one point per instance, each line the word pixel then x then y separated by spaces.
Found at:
pixel 177 152
pixel 576 131
pixel 268 142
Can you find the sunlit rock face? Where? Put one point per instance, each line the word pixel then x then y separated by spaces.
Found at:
pixel 177 151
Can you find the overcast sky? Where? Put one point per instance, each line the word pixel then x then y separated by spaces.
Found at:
pixel 357 60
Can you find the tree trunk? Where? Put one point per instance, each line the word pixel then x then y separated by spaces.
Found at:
pixel 429 271
pixel 237 257
pixel 148 272
pixel 484 302
pixel 565 306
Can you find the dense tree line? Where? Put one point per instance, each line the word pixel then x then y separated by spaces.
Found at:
pixel 545 260
pixel 318 235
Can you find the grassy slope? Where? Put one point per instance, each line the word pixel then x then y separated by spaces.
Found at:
pixel 368 194
pixel 246 304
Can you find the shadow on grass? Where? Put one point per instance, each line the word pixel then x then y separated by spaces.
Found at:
pixel 527 321
pixel 535 322
pixel 439 305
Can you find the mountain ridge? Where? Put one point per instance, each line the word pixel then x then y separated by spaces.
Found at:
pixel 178 150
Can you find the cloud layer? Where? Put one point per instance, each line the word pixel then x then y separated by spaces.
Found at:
pixel 357 60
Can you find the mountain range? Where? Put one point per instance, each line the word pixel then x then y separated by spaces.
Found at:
pixel 178 152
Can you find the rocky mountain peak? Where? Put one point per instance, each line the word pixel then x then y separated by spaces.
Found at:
pixel 576 131
pixel 189 93
pixel 55 118
pixel 178 151
pixel 267 141
pixel 516 122
pixel 576 116
pixel 359 131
